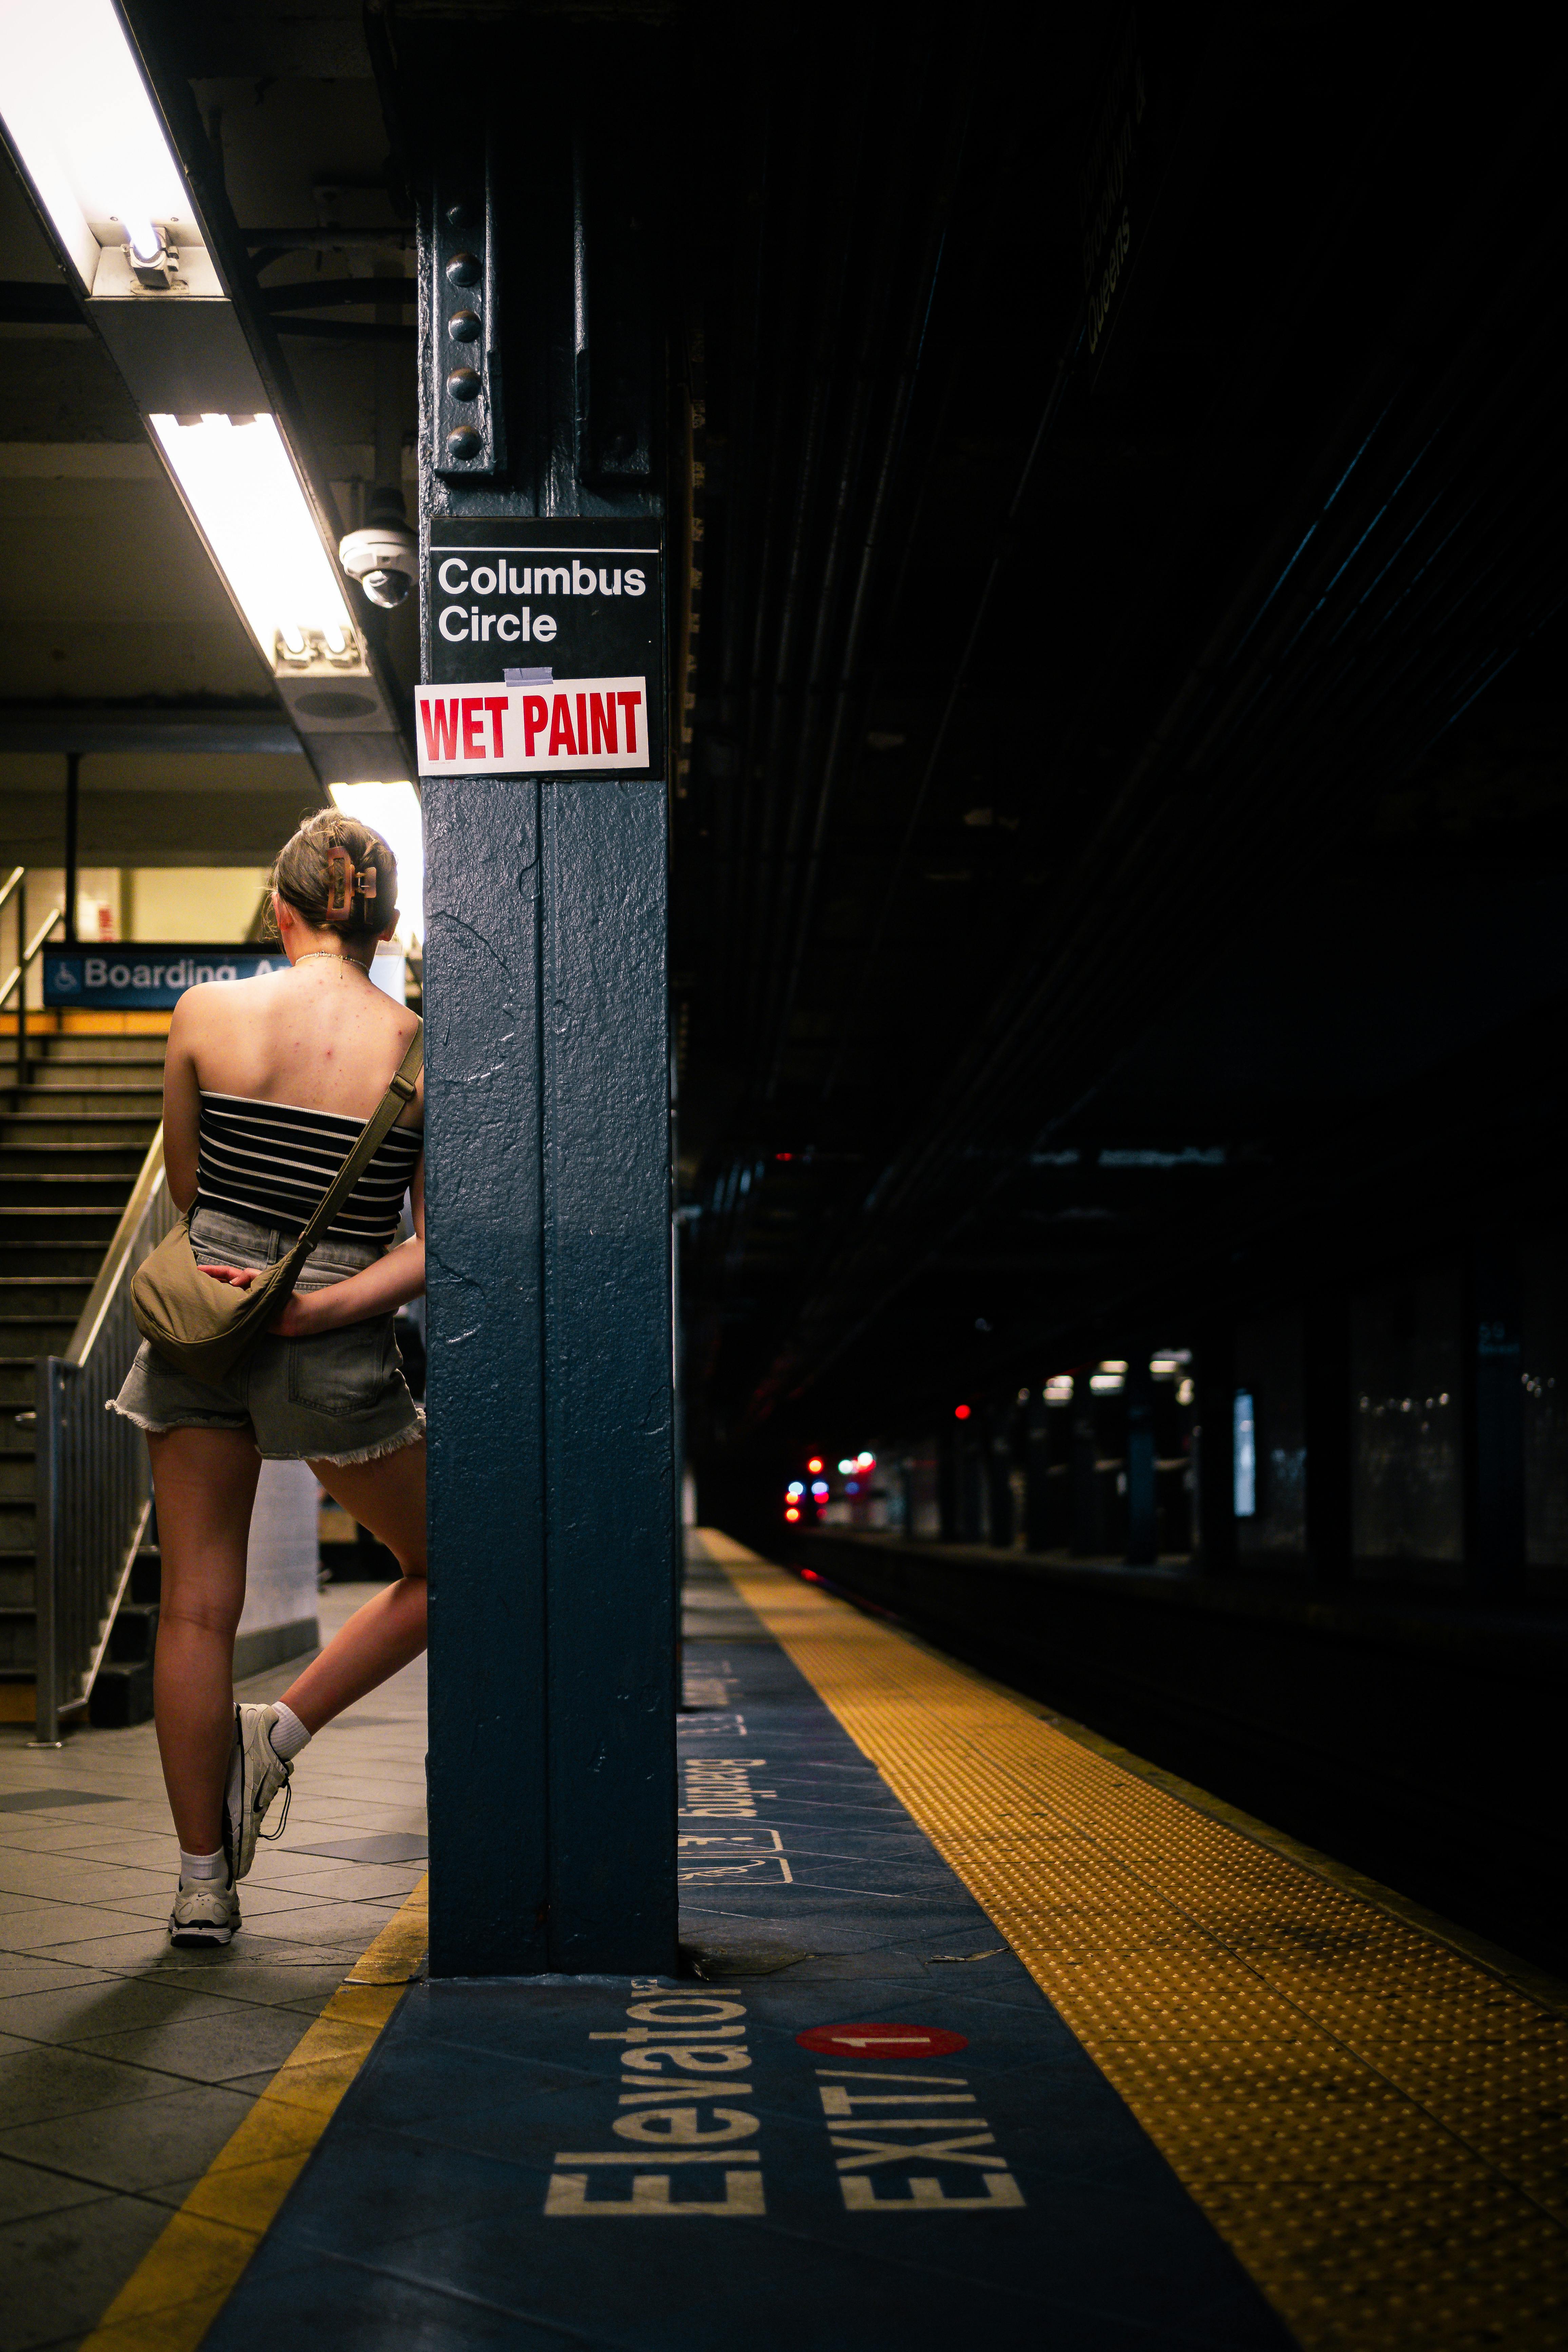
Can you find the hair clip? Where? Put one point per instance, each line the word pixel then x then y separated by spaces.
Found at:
pixel 343 883
pixel 341 880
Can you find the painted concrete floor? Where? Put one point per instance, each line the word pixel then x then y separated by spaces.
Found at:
pixel 1131 2066
pixel 124 2065
pixel 492 2173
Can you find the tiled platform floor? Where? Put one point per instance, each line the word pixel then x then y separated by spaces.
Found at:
pixel 126 2064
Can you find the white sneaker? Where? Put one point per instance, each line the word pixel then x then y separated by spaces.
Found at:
pixel 256 1773
pixel 205 1912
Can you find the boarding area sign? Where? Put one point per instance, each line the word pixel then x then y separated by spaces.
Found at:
pixel 542 649
pixel 139 979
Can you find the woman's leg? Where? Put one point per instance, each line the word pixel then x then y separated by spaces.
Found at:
pixel 205 1482
pixel 388 1498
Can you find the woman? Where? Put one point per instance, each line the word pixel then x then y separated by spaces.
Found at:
pixel 267 1083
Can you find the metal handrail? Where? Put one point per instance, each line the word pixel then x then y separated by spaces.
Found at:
pixel 112 1272
pixel 94 1499
pixel 29 954
pixel 16 884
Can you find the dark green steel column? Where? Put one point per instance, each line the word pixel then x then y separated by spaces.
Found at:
pixel 609 1453
pixel 484 1228
pixel 552 1475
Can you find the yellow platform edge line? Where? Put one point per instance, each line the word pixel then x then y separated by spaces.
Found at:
pixel 1378 2203
pixel 183 2282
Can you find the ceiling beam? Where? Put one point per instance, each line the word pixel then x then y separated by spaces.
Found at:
pixel 130 727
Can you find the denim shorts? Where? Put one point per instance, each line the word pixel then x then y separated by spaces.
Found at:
pixel 339 1396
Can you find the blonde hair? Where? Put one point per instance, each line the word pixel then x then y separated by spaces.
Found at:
pixel 336 874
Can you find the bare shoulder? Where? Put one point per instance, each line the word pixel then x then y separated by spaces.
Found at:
pixel 200 1006
pixel 212 1007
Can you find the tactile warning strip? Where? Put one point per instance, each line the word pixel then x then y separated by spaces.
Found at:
pixel 1376 2125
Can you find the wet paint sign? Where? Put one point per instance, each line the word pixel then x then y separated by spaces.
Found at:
pixel 530 723
pixel 882 2041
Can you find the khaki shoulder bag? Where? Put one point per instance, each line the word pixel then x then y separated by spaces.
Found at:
pixel 205 1327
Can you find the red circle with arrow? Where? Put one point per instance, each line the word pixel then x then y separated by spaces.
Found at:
pixel 882 2041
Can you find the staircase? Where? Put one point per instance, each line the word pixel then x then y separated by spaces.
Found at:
pixel 72 1141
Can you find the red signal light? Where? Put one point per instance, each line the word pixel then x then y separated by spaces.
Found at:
pixel 791 1513
pixel 960 1413
pixel 815 1464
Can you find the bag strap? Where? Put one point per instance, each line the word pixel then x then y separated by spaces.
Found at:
pixel 401 1089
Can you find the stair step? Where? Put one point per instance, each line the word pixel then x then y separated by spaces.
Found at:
pixel 33 1129
pixel 58 1261
pixel 70 1187
pixel 121 1695
pixel 35 1335
pixel 94 1066
pixel 91 1163
pixel 16 1474
pixel 134 1636
pixel 18 1644
pixel 16 1571
pixel 18 1524
pixel 103 1050
pixel 43 1294
pixel 86 1230
pixel 56 1101
pixel 18 1383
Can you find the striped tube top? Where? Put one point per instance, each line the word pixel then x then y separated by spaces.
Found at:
pixel 272 1162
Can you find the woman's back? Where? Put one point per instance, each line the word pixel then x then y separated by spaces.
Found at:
pixel 319 1036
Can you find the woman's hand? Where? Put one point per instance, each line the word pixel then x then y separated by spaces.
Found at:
pixel 297 1321
pixel 379 1289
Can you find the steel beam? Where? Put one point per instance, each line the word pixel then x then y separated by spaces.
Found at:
pixel 552 1820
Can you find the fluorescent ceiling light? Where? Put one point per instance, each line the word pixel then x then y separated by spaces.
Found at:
pixel 88 133
pixel 243 490
pixel 392 811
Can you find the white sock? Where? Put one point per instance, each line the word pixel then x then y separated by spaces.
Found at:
pixel 288 1735
pixel 202 1866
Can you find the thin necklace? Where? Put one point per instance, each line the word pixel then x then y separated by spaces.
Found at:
pixel 329 955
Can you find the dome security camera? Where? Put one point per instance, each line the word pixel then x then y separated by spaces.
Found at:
pixel 384 555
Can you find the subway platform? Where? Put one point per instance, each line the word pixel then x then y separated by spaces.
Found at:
pixel 986 2030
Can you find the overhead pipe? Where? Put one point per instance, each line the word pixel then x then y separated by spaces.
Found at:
pixel 737 503
pixel 916 1264
pixel 1069 953
pixel 772 506
pixel 847 699
pixel 802 493
pixel 1439 659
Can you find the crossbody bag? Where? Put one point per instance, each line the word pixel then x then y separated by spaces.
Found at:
pixel 206 1326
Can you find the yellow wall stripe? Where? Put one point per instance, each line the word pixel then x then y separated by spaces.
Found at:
pixel 183 2282
pixel 1376 2123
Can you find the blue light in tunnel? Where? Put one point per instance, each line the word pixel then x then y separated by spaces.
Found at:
pixel 1245 1455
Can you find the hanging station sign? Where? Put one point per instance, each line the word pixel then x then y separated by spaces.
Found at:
pixel 545 649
